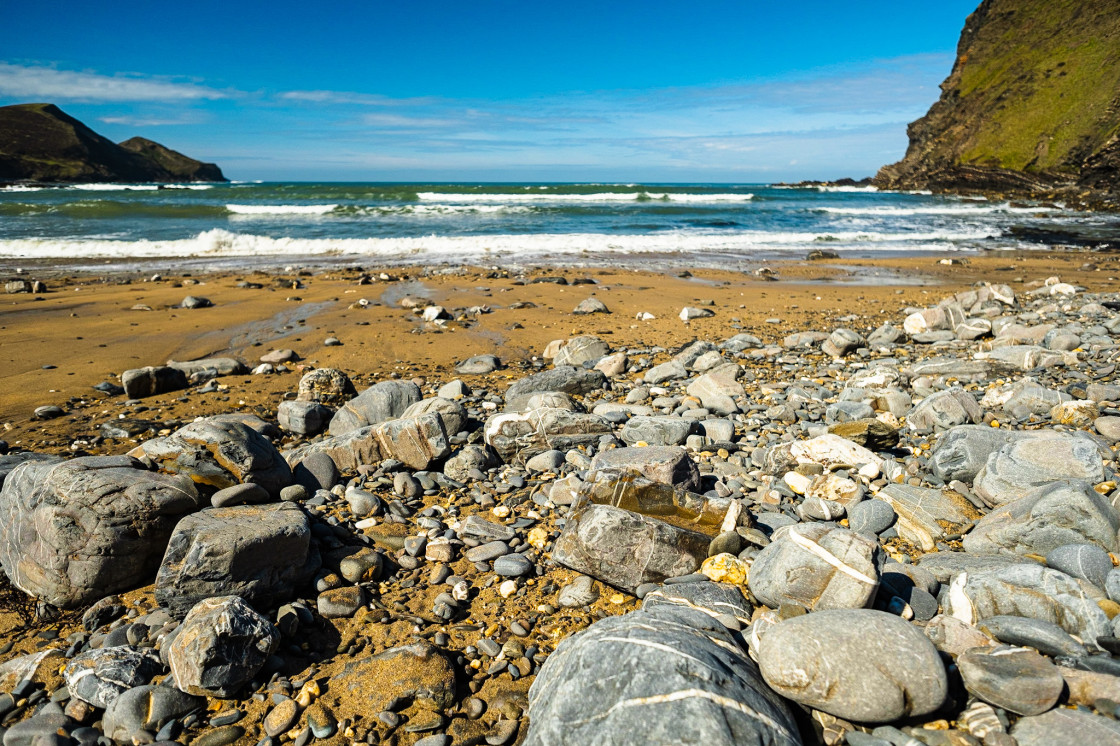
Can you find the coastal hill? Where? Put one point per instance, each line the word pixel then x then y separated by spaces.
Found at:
pixel 40 142
pixel 1032 105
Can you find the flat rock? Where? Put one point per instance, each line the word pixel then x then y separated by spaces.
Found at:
pixel 565 379
pixel 657 431
pixel 927 516
pixel 1047 638
pixel 380 402
pixel 1062 727
pixel 945 409
pixel 666 464
pixel 520 436
pixel 1016 679
pixel 580 350
pixel 1018 467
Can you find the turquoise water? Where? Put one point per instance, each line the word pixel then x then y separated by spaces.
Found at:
pixel 716 225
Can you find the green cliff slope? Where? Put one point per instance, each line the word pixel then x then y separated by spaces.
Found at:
pixel 1032 104
pixel 40 142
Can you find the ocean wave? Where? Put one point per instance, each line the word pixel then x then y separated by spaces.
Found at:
pixel 113 187
pixel 426 210
pixel 455 197
pixel 281 209
pixel 222 243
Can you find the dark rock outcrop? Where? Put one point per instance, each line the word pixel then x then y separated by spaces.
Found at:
pixel 40 142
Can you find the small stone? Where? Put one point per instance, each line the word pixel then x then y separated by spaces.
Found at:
pixel 725 568
pixel 1016 679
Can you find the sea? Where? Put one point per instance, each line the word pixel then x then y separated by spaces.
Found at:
pixel 730 226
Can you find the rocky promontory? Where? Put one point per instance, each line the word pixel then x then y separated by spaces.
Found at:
pixel 41 143
pixel 1032 106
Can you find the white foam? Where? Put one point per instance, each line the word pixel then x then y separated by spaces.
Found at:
pixel 193 187
pixel 220 243
pixel 599 197
pixel 428 210
pixel 21 188
pixel 280 209
pixel 114 187
pixel 847 189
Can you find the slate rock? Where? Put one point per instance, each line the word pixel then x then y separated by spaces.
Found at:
pixel 687 680
pixel 564 379
pixel 147 708
pixel 961 452
pixel 379 403
pixel 1016 679
pixel 220 645
pixel 873 434
pixel 667 371
pixel 1018 467
pixel 328 386
pixel 261 553
pixel 451 413
pixel 347 451
pixel 666 464
pixel 719 389
pixel 9 461
pixel 101 675
pixel 842 342
pixel 816 566
pixel 73 531
pixel 884 671
pixel 1045 518
pixel 603 541
pixel 42 729
pixel 218 454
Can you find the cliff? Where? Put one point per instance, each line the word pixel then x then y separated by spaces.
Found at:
pixel 40 142
pixel 1032 105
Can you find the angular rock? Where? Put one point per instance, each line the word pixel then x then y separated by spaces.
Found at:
pixel 261 553
pixel 348 452
pixel 303 417
pixel 1016 679
pixel 451 413
pixel 842 342
pixel 669 371
pixel 872 434
pixel 101 675
pixel 688 680
pixel 73 531
pixel 221 644
pixel 219 454
pixel 816 567
pixel 666 464
pixel 927 516
pixel 626 549
pixel 1067 512
pixel 580 350
pixel 380 402
pixel 824 660
pixel 417 442
pixel 826 450
pixel 719 388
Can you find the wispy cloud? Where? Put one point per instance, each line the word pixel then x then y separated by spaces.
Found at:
pixel 148 121
pixel 43 83
pixel 344 98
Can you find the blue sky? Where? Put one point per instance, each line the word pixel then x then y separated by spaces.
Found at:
pixel 494 90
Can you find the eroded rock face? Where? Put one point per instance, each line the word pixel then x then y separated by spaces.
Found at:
pixel 216 454
pixel 220 646
pixel 73 531
pixel 822 660
pixel 260 553
pixel 688 681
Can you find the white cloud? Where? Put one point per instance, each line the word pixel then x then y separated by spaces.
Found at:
pixel 351 98
pixel 146 121
pixel 41 83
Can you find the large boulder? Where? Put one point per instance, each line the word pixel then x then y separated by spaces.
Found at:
pixel 418 442
pixel 451 413
pixel 380 402
pixel 347 451
pixel 579 350
pixel 1020 466
pixel 326 386
pixel 1047 517
pixel 719 389
pixel 520 436
pixel 626 549
pixel 687 680
pixel 857 664
pixel 217 454
pixel 961 452
pixel 945 409
pixel 220 645
pixel 261 553
pixel 816 566
pixel 74 531
pixel 139 383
